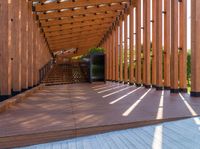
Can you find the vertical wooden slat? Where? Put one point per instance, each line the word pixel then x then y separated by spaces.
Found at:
pixel 5 61
pixel 183 47
pixel 30 45
pixel 167 45
pixel 195 55
pixel 158 24
pixel 174 44
pixel 113 61
pixel 131 60
pixel 125 49
pixel 111 57
pixel 121 52
pixel 154 43
pixel 138 43
pixel 106 57
pixel 15 16
pixel 148 46
pixel 24 39
pixel 117 53
pixel 144 48
pixel 34 52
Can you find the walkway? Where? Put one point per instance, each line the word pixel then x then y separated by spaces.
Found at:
pixel 65 111
pixel 182 134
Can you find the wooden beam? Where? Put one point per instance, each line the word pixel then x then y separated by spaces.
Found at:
pixel 77 35
pixel 51 42
pixel 131 58
pixel 116 53
pixel 159 52
pixel 88 28
pixel 121 52
pixel 138 43
pixel 183 46
pixel 144 47
pixel 79 24
pixel 154 42
pixel 148 46
pixel 81 11
pixel 24 37
pixel 79 41
pixel 195 65
pixel 126 48
pixel 15 37
pixel 70 4
pixel 174 43
pixel 167 43
pixel 79 19
pixel 30 46
pixel 5 61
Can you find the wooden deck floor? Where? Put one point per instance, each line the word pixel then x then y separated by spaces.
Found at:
pixel 182 134
pixel 66 111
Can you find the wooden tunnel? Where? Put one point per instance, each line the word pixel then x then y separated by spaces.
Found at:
pixel 145 41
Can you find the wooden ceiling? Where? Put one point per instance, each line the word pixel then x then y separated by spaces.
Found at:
pixel 79 24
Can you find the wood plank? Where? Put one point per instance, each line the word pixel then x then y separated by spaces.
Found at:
pixel 79 24
pixel 5 52
pixel 174 43
pixel 30 45
pixel 195 31
pixel 148 41
pixel 69 4
pixel 154 43
pixel 183 46
pixel 167 43
pixel 24 39
pixel 117 53
pixel 63 32
pixel 113 56
pixel 138 43
pixel 131 58
pixel 144 47
pixel 15 37
pixel 78 19
pixel 121 51
pixel 159 52
pixel 81 11
pixel 126 48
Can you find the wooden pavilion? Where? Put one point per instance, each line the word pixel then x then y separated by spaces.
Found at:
pixel 145 44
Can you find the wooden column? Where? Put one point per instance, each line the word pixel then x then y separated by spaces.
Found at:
pixel 5 61
pixel 121 52
pixel 154 43
pixel 195 57
pixel 116 53
pixel 167 43
pixel 174 48
pixel 131 59
pixel 15 36
pixel 138 43
pixel 30 45
pixel 125 49
pixel 148 46
pixel 183 47
pixel 34 52
pixel 113 56
pixel 144 48
pixel 106 57
pixel 109 59
pixel 24 39
pixel 158 30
